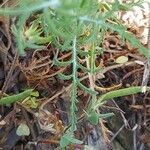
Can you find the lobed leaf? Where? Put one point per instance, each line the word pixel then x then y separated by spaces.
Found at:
pixel 64 77
pixel 85 88
pixel 61 63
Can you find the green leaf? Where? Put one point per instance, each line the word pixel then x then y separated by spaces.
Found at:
pixel 136 43
pixel 33 46
pixel 64 77
pixel 117 93
pixel 122 92
pixel 64 141
pixel 67 139
pixel 31 102
pixel 33 31
pixel 87 147
pixel 23 130
pixel 83 53
pixel 93 118
pixel 35 94
pixel 76 141
pixel 97 70
pixel 84 68
pixel 39 40
pixel 31 7
pixel 15 98
pixel 61 63
pixel 85 88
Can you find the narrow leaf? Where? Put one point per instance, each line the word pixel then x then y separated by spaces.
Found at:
pixel 85 88
pixel 15 98
pixel 64 77
pixel 61 63
pixel 118 93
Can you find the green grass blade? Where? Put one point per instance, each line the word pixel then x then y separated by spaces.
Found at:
pixel 15 98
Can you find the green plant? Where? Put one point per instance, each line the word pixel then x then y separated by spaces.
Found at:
pixel 70 25
pixel 15 98
pixel 94 115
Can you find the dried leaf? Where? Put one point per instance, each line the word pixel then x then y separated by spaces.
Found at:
pixel 23 130
pixel 121 60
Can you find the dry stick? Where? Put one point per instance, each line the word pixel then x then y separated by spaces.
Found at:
pixel 8 78
pixel 107 89
pixel 50 62
pixel 4 3
pixel 140 58
pixel 147 65
pixel 34 117
pixel 135 137
pixel 113 108
pixel 148 46
pixel 146 71
pixel 131 73
pixel 39 66
pixel 91 77
pixel 51 75
pixel 117 133
pixel 122 115
pixel 47 63
pixel 145 76
pixel 6 25
pixel 27 109
pixel 11 3
pixel 54 96
pixel 28 123
pixel 48 76
pixel 134 131
pixel 103 89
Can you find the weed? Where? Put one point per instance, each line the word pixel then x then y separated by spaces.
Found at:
pixel 71 25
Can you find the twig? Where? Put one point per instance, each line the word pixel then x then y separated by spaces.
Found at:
pixel 91 76
pixel 28 123
pixel 114 108
pixel 135 127
pixel 117 133
pixel 147 65
pixel 124 119
pixel 54 96
pixel 146 72
pixel 8 78
pixel 134 137
pixel 148 40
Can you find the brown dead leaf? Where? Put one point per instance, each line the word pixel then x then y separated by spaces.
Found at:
pixel 49 122
pixel 145 138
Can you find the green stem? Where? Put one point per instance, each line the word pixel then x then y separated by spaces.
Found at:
pixel 118 93
pixel 74 87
